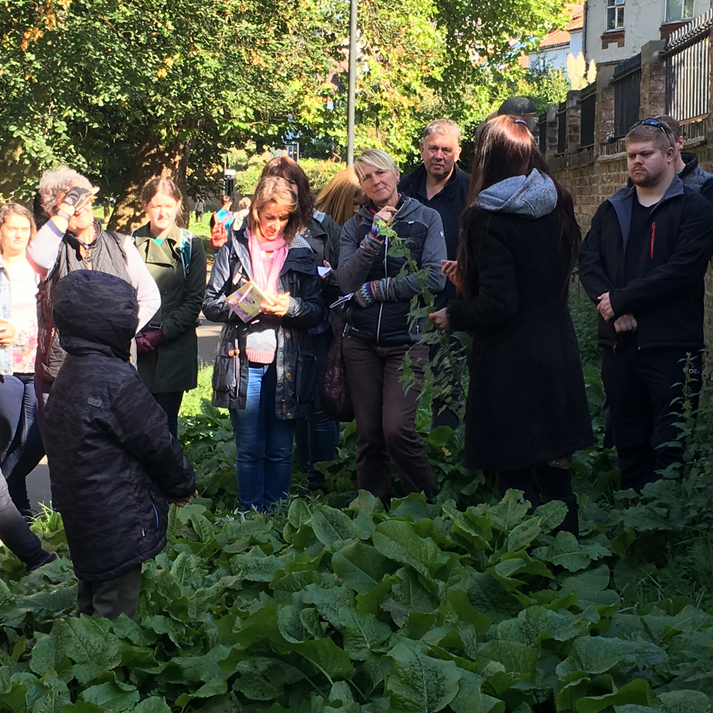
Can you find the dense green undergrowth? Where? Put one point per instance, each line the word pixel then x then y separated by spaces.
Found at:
pixel 425 608
pixel 331 604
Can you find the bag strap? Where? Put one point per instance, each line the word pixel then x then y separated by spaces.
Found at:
pixel 185 250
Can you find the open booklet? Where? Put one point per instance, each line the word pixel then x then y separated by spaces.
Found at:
pixel 246 301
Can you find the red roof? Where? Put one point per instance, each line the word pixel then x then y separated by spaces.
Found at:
pixel 556 38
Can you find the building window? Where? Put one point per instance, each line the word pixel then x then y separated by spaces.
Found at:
pixel 677 10
pixel 615 14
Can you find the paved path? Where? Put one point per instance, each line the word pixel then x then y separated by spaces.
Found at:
pixel 38 482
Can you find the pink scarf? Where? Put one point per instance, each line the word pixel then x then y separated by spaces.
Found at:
pixel 266 270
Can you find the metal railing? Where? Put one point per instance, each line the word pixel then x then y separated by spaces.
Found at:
pixel 542 132
pixel 627 94
pixel 562 128
pixel 587 105
pixel 686 54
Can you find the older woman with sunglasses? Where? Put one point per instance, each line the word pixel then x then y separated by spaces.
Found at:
pixel 71 240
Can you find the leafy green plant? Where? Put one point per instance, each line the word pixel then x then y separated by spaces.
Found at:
pixel 447 367
pixel 425 608
pixel 330 603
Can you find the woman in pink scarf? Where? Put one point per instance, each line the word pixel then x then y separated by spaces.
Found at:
pixel 265 367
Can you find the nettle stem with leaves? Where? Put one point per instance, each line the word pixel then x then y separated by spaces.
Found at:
pixel 448 364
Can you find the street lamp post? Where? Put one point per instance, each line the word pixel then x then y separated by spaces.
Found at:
pixel 352 80
pixel 229 174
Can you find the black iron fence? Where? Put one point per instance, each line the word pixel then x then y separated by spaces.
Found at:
pixel 627 94
pixel 562 128
pixel 587 105
pixel 542 132
pixel 607 110
pixel 688 69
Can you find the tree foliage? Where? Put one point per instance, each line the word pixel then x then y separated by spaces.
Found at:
pixel 126 89
pixel 97 83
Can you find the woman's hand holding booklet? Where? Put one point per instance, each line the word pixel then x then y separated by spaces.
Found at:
pixel 247 301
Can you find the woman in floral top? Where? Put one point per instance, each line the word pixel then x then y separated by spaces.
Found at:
pixel 20 441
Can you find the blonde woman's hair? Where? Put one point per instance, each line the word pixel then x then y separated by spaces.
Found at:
pixel 9 209
pixel 337 198
pixel 378 159
pixel 277 189
pixel 56 182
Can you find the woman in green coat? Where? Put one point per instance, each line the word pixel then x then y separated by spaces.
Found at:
pixel 167 346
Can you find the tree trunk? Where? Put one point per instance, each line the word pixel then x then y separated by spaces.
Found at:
pixel 153 160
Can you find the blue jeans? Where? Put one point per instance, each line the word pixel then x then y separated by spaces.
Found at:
pixel 264 443
pixel 21 444
pixel 317 436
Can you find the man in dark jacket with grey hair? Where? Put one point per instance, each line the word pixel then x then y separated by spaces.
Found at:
pixel 113 463
pixel 439 183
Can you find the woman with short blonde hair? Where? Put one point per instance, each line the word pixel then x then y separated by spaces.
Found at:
pixel 379 332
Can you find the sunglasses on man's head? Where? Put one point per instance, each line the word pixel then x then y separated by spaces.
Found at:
pixel 656 123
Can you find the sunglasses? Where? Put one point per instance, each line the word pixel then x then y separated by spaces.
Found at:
pixel 656 123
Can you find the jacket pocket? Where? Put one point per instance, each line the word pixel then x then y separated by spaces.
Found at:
pixel 305 376
pixel 224 373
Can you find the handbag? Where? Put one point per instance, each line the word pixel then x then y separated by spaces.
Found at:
pixel 334 391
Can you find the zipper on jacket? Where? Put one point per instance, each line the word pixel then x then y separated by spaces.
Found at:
pixel 386 274
pixel 652 240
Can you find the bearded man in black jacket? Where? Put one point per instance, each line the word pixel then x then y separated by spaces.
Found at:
pixel 643 263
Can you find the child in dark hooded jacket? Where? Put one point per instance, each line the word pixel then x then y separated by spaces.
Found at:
pixel 113 463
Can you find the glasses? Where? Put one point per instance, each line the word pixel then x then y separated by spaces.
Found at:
pixel 656 123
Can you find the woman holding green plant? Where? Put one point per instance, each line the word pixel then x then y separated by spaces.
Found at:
pixel 527 409
pixel 379 334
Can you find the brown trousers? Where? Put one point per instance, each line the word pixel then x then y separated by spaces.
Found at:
pixel 386 417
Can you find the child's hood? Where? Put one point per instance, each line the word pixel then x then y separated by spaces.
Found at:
pixel 95 312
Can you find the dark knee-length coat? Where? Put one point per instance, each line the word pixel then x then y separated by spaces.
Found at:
pixel 527 403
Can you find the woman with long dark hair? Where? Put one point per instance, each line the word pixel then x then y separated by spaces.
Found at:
pixel 378 333
pixel 527 409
